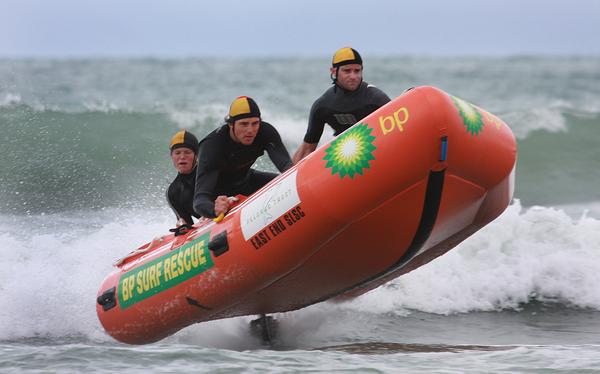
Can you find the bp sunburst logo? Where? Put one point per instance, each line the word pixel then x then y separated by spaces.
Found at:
pixel 470 115
pixel 351 152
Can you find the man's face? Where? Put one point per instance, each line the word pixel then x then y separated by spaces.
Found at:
pixel 183 160
pixel 244 130
pixel 349 76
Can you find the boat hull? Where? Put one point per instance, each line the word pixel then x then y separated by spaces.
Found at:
pixel 398 189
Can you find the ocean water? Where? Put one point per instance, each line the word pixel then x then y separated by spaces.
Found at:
pixel 85 164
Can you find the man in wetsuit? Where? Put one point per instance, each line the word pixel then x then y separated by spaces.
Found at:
pixel 344 104
pixel 180 194
pixel 227 154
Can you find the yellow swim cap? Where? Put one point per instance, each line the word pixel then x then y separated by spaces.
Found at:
pixel 185 139
pixel 242 107
pixel 345 56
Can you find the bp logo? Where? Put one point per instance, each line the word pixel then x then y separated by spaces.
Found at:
pixel 470 115
pixel 351 152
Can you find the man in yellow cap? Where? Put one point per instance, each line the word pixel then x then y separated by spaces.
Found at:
pixel 227 154
pixel 344 104
pixel 180 194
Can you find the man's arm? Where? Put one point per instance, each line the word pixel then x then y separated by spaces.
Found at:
pixel 316 125
pixel 277 151
pixel 379 98
pixel 207 176
pixel 204 205
pixel 304 150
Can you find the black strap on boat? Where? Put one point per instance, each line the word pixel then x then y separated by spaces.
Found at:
pixel 431 206
pixel 181 230
pixel 107 299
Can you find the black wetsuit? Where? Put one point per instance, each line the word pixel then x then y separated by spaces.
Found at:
pixel 224 165
pixel 341 109
pixel 180 196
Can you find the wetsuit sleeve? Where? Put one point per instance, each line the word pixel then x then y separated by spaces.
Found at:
pixel 207 176
pixel 176 206
pixel 379 97
pixel 316 124
pixel 276 150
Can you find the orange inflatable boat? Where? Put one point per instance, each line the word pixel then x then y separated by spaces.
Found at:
pixel 396 190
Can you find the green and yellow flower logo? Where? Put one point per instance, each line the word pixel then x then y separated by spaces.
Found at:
pixel 470 115
pixel 351 152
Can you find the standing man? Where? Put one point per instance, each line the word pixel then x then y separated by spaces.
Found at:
pixel 227 154
pixel 180 194
pixel 341 106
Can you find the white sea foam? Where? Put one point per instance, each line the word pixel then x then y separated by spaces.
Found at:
pixel 208 114
pixel 52 276
pixel 293 128
pixel 523 122
pixel 9 99
pixel 103 106
pixel 49 280
pixel 587 209
pixel 538 252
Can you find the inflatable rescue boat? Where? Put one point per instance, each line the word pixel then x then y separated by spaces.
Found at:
pixel 396 190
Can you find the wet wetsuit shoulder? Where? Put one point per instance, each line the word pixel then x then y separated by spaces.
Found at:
pixel 223 163
pixel 341 109
pixel 268 139
pixel 211 152
pixel 180 196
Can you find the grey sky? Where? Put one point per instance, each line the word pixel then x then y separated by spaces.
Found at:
pixel 60 28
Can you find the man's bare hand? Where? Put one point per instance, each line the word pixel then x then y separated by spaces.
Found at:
pixel 222 204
